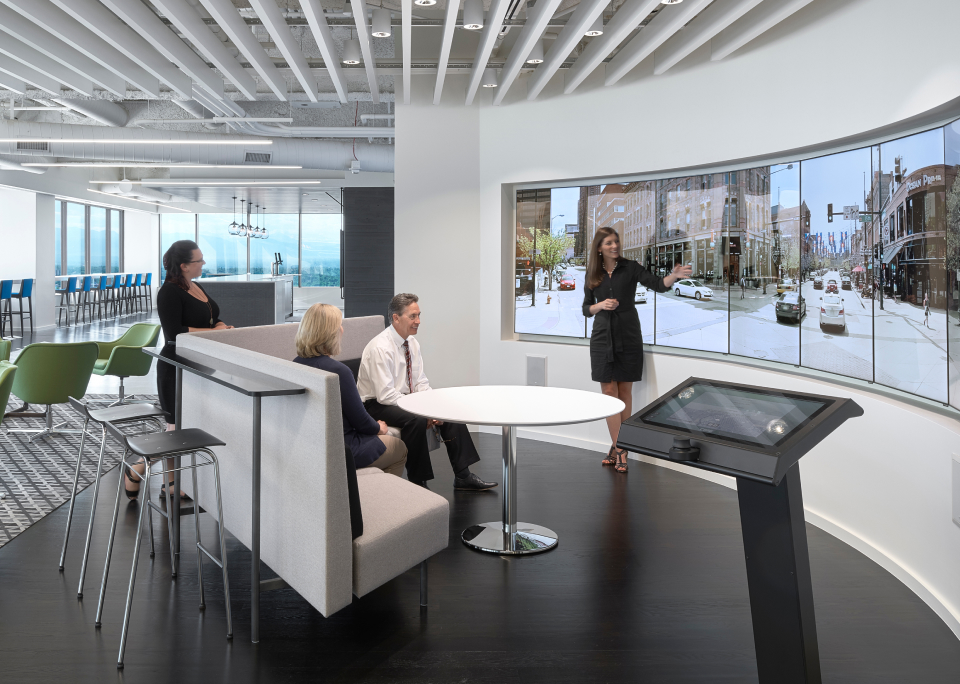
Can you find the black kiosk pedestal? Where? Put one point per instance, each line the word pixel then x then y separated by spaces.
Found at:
pixel 756 435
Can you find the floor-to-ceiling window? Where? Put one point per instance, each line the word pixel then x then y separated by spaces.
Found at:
pixel 87 239
pixel 224 253
pixel 320 250
pixel 75 254
pixel 114 246
pixel 98 240
pixel 58 237
pixel 174 227
pixel 284 232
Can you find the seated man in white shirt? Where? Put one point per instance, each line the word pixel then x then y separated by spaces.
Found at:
pixel 391 366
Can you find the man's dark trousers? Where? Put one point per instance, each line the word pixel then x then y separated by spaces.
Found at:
pixel 413 433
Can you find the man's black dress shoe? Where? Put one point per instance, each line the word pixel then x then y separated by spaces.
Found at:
pixel 420 483
pixel 473 482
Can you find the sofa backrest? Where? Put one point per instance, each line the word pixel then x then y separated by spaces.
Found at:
pixel 278 340
pixel 305 515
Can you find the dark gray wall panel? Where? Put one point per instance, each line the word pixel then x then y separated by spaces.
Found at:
pixel 367 251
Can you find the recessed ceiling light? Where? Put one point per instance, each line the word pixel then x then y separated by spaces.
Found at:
pixel 351 52
pixel 425 3
pixel 596 29
pixel 473 15
pixel 536 54
pixel 671 2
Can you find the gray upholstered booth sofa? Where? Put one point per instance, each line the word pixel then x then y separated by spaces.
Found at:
pixel 305 518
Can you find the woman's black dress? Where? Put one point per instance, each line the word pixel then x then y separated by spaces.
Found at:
pixel 616 344
pixel 178 311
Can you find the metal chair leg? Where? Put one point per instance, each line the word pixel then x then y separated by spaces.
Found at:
pixel 113 533
pixel 133 570
pixel 73 493
pixel 196 525
pixel 423 584
pixel 170 535
pixel 93 507
pixel 223 544
pixel 150 522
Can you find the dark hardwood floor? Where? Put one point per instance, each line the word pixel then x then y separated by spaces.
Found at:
pixel 647 584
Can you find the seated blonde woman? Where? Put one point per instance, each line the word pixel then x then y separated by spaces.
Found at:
pixel 318 339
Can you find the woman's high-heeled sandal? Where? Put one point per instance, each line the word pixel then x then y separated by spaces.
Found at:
pixel 129 474
pixel 163 493
pixel 621 465
pixel 611 458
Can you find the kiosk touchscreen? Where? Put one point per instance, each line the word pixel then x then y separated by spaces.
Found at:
pixel 756 435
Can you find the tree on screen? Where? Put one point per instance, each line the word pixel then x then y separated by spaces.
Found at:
pixel 551 250
pixel 953 226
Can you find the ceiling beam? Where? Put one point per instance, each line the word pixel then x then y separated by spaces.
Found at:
pixel 366 47
pixel 55 21
pixel 313 11
pixel 107 26
pixel 229 19
pixel 406 34
pixel 449 25
pixel 186 18
pixel 491 29
pixel 671 19
pixel 11 83
pixel 22 52
pixel 22 72
pixel 759 21
pixel 583 17
pixel 531 32
pixel 275 24
pixel 149 25
pixel 705 26
pixel 621 25
pixel 66 59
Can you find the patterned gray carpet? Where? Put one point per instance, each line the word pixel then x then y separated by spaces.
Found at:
pixel 36 477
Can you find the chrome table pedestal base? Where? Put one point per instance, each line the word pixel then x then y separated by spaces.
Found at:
pixel 507 537
pixel 491 538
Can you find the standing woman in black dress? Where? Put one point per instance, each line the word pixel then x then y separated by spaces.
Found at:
pixel 616 344
pixel 183 306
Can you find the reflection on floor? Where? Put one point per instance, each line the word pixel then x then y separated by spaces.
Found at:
pixel 648 584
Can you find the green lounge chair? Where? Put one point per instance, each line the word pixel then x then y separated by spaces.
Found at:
pixel 123 358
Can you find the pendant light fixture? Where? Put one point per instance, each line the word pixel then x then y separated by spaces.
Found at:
pixel 263 231
pixel 489 78
pixel 242 229
pixel 473 15
pixel 232 228
pixel 351 51
pixel 256 228
pixel 536 54
pixel 596 29
pixel 381 23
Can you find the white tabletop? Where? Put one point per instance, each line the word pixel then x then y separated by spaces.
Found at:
pixel 511 405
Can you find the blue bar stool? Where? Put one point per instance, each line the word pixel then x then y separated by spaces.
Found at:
pixel 67 299
pixel 148 290
pixel 84 300
pixel 6 309
pixel 127 292
pixel 105 285
pixel 115 299
pixel 26 292
pixel 135 294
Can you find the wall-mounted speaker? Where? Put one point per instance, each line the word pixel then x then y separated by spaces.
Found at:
pixel 536 370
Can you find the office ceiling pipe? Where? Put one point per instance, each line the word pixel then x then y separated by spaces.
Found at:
pixel 8 165
pixel 104 111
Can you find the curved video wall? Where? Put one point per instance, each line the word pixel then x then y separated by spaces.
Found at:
pixel 847 263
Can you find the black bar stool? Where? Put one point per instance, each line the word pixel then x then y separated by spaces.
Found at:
pixel 128 414
pixel 154 449
pixel 25 293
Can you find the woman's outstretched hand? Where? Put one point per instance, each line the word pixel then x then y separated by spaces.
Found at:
pixel 679 272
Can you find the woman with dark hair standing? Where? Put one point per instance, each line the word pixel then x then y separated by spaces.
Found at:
pixel 183 306
pixel 616 344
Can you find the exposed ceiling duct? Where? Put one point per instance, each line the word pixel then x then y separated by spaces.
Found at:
pixel 104 111
pixel 128 189
pixel 310 154
pixel 8 165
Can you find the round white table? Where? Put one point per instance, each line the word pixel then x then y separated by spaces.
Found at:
pixel 510 406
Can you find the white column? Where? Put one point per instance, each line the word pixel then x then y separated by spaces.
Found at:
pixel 43 297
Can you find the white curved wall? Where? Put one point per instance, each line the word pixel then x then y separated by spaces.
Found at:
pixel 836 68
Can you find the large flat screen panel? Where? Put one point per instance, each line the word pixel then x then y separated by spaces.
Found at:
pixel 951 139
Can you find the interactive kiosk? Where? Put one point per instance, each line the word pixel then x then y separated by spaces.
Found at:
pixel 756 435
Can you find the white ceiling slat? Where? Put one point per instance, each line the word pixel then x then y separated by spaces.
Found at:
pixel 186 18
pixel 229 19
pixel 406 33
pixel 363 35
pixel 55 21
pixel 11 83
pixel 67 59
pixel 583 17
pixel 705 26
pixel 22 72
pixel 491 29
pixel 313 11
pixel 276 25
pixel 34 59
pixel 148 25
pixel 533 28
pixel 670 20
pixel 627 18
pixel 449 25
pixel 105 24
pixel 755 23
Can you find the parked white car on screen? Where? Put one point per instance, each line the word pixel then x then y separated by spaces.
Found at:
pixel 691 288
pixel 641 297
